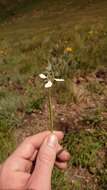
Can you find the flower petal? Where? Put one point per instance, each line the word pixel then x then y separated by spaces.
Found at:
pixel 42 76
pixel 59 80
pixel 48 84
pixel 68 49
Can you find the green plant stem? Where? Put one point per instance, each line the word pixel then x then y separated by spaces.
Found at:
pixel 50 110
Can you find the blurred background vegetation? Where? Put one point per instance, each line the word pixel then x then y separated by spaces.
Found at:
pixel 32 33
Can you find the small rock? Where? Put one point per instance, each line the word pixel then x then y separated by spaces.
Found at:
pixel 62 119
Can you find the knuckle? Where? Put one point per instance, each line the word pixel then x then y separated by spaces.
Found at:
pixel 46 157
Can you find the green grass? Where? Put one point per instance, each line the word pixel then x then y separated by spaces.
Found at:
pixel 34 105
pixel 7 142
pixel 96 87
pixel 83 147
pixel 59 180
pixel 92 118
pixel 10 9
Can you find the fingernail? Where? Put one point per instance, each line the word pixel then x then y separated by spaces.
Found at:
pixel 52 141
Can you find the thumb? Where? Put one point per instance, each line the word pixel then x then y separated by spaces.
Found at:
pixel 41 178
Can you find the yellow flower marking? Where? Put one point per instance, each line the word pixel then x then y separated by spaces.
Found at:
pixel 2 52
pixel 68 49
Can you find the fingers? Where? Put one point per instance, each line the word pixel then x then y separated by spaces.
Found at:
pixel 33 158
pixel 62 158
pixel 62 155
pixel 28 147
pixel 41 177
pixel 37 140
pixel 61 165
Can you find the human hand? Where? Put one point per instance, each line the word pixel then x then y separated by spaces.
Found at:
pixel 19 172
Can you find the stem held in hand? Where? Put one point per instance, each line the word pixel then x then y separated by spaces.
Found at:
pixel 50 110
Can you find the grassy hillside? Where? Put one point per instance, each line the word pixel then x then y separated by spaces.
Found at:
pixel 11 8
pixel 39 32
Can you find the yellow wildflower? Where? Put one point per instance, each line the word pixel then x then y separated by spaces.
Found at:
pixel 2 52
pixel 68 49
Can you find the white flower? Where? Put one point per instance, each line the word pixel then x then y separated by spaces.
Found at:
pixel 42 76
pixel 49 83
pixel 59 80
